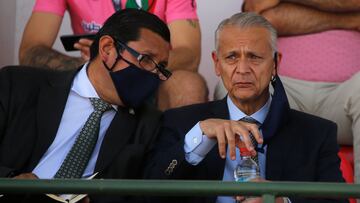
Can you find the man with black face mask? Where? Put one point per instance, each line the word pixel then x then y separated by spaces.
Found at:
pixel 96 113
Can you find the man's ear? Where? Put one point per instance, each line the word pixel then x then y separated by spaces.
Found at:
pixel 106 47
pixel 216 63
pixel 277 60
pixel 279 57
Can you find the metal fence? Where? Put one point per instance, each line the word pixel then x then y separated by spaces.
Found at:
pixel 269 190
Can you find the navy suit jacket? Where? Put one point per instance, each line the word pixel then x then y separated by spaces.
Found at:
pixel 300 147
pixel 32 102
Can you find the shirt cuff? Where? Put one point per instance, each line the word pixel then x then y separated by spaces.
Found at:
pixel 197 145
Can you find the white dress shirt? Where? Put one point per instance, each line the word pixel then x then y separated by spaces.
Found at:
pixel 77 110
pixel 198 145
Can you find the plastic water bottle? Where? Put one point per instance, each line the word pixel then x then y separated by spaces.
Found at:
pixel 247 169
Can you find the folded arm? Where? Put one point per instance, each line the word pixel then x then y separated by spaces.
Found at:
pixel 5 87
pixel 303 17
pixel 294 19
pixel 38 38
pixel 330 5
pixel 185 42
pixel 324 5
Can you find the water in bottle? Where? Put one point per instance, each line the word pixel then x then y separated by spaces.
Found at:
pixel 247 169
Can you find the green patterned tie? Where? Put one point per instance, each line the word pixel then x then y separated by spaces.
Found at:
pixel 78 157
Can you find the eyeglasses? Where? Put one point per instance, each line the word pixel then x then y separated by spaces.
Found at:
pixel 147 63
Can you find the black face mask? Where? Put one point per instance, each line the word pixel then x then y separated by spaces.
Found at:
pixel 133 84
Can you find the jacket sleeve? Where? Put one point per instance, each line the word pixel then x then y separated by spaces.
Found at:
pixel 4 94
pixel 328 169
pixel 4 103
pixel 168 157
pixel 328 165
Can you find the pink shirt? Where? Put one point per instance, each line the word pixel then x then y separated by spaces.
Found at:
pixel 88 16
pixel 331 56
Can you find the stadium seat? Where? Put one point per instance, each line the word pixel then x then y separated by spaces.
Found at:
pixel 346 155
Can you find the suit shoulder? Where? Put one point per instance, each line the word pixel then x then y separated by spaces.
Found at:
pixel 191 109
pixel 310 120
pixel 149 112
pixel 26 73
pixel 189 115
pixel 26 70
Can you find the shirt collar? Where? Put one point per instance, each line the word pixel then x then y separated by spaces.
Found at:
pixel 236 114
pixel 82 85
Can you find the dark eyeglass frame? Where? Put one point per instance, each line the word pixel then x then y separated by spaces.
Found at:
pixel 139 57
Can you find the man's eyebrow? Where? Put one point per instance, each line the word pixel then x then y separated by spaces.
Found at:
pixel 255 52
pixel 232 52
pixel 149 52
pixel 153 57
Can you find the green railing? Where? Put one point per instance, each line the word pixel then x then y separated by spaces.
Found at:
pixel 269 190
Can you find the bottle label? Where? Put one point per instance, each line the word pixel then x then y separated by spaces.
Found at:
pixel 246 175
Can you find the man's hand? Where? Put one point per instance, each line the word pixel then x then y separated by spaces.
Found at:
pixel 85 200
pixel 258 200
pixel 26 176
pixel 258 6
pixel 84 46
pixel 232 133
pixel 244 199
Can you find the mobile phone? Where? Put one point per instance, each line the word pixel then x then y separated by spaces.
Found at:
pixel 68 41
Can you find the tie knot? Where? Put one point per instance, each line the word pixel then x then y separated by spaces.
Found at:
pixel 249 119
pixel 100 105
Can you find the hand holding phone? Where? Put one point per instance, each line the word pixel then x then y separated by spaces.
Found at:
pixel 84 46
pixel 68 41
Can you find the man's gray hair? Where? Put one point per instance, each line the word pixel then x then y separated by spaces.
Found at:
pixel 246 20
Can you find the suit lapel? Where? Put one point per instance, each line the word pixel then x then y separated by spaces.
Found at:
pixel 119 132
pixel 51 103
pixel 274 136
pixel 279 109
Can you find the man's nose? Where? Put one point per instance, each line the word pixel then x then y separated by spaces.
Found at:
pixel 242 66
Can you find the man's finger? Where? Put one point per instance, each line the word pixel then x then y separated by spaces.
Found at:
pixel 238 142
pixel 244 133
pixel 240 198
pixel 86 52
pixel 256 133
pixel 78 46
pixel 220 136
pixel 26 176
pixel 85 56
pixel 230 137
pixel 86 42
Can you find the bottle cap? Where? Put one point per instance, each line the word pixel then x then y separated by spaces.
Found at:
pixel 244 151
